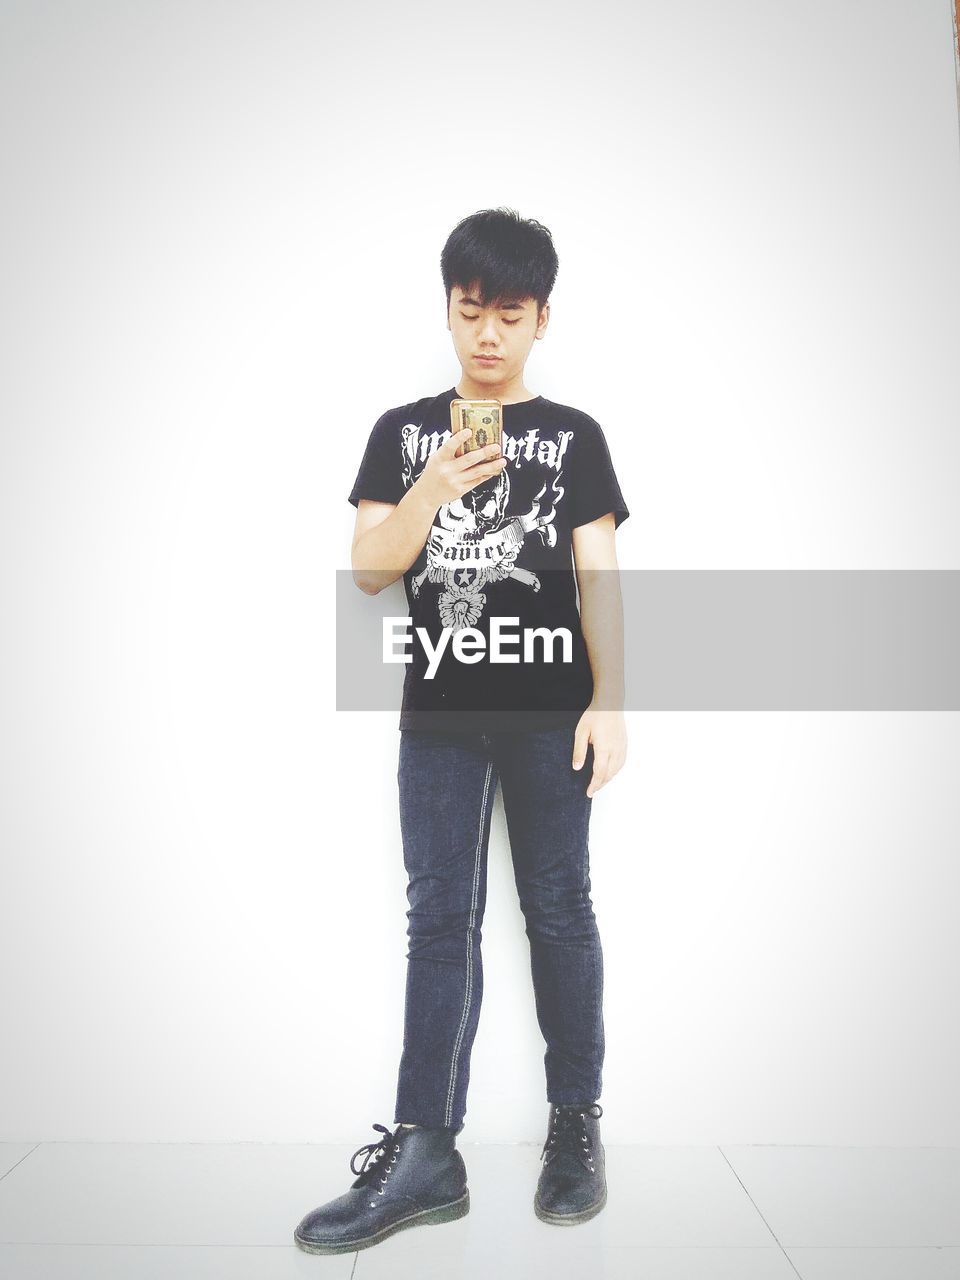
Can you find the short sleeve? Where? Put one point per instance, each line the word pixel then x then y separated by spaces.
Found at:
pixel 594 487
pixel 380 477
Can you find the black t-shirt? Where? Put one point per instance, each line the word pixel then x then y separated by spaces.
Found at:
pixel 503 550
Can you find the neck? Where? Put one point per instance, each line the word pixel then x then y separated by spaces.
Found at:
pixel 511 391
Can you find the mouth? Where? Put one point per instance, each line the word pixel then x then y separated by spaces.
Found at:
pixel 487 359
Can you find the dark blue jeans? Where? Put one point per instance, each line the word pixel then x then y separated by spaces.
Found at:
pixel 447 783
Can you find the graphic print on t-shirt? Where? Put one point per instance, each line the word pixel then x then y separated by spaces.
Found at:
pixel 477 539
pixel 503 552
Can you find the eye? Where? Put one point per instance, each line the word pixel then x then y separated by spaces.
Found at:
pixel 505 320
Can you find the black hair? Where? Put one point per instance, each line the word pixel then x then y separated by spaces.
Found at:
pixel 511 257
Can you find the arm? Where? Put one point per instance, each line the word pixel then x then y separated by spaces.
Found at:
pixel 388 538
pixel 601 620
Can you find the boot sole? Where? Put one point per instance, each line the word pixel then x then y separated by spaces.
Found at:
pixel 428 1217
pixel 569 1219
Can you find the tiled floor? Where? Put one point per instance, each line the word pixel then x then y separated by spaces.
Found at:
pixel 75 1211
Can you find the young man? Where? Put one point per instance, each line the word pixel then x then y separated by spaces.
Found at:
pixel 490 544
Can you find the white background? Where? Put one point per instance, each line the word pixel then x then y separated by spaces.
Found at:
pixel 220 246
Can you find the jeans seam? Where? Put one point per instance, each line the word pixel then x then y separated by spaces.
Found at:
pixel 451 1088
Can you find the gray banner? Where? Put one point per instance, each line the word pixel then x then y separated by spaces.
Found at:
pixel 720 640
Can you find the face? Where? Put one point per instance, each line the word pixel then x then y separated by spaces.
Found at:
pixel 506 333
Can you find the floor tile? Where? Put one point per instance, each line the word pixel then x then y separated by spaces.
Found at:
pixel 11 1153
pixel 230 1194
pixel 527 1258
pixel 854 1196
pixel 166 1262
pixel 877 1264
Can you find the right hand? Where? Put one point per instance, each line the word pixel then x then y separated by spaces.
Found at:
pixel 446 478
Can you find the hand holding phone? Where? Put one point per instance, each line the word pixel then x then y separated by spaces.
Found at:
pixel 459 465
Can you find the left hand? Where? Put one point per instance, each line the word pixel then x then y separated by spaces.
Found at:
pixel 607 730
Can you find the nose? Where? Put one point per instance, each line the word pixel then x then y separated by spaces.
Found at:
pixel 488 331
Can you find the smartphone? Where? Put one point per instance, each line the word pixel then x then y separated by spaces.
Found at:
pixel 484 417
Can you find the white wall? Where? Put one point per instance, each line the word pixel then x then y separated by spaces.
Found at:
pixel 220 251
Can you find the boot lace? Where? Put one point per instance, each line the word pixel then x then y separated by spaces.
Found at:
pixel 379 1159
pixel 568 1132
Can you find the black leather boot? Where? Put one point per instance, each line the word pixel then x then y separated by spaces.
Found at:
pixel 410 1178
pixel 573 1183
